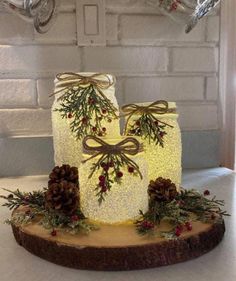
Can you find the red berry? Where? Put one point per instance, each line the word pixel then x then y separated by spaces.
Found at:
pixel 178 232
pixel 119 174
pixel 111 164
pixel 94 129
pixel 104 189
pixel 74 218
pixel 104 129
pixel 69 115
pixel 102 178
pixel 189 227
pixel 137 123
pixel 103 164
pixel 100 134
pixel 101 183
pixel 109 120
pixel 206 193
pixel 162 134
pixel 156 123
pixel 104 111
pixel 131 169
pixel 54 232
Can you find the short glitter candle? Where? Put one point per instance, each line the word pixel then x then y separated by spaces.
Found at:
pixel 82 97
pixel 125 198
pixel 163 154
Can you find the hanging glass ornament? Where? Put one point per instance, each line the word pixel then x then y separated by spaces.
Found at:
pixel 187 12
pixel 41 12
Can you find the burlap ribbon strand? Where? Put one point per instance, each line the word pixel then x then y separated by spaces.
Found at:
pixel 128 146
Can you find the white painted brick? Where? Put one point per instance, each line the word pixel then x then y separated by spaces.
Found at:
pixel 195 59
pixel 150 29
pixel 40 60
pixel 168 88
pixel 25 122
pixel 63 31
pixel 198 117
pixel 14 30
pixel 67 5
pixel 212 88
pixel 17 93
pixel 126 60
pixel 213 28
pixel 44 88
pixel 130 6
pixel 111 28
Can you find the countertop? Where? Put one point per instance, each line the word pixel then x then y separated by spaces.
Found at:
pixel 16 264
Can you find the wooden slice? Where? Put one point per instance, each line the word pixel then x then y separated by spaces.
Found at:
pixel 117 247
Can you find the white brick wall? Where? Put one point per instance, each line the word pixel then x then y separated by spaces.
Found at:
pixel 151 56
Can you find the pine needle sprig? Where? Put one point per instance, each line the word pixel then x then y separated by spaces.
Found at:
pixel 149 127
pixel 87 108
pixel 17 198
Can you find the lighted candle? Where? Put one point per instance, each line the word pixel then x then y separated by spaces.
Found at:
pixel 125 198
pixel 163 161
pixel 67 144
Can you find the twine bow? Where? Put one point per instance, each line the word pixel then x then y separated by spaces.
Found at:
pixel 69 80
pixel 128 146
pixel 157 107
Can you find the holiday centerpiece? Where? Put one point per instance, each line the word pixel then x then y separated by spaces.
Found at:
pixel 120 206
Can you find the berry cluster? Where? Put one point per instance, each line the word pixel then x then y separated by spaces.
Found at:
pixel 182 227
pixel 148 127
pixel 111 172
pixel 86 109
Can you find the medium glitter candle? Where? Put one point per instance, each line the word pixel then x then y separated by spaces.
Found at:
pixel 163 151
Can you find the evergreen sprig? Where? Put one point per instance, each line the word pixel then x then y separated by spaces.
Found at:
pixel 188 205
pixel 87 108
pixel 148 127
pixel 35 211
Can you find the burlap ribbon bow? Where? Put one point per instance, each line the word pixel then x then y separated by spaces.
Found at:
pixel 69 80
pixel 128 146
pixel 157 107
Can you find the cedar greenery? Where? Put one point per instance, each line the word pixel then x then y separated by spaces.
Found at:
pixel 149 127
pixel 187 206
pixel 34 211
pixel 87 108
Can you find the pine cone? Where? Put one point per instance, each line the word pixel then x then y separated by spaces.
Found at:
pixel 64 173
pixel 62 197
pixel 162 190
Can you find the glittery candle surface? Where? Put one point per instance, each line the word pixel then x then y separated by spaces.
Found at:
pixel 123 202
pixel 164 161
pixel 67 149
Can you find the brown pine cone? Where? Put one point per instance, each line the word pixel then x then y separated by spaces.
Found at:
pixel 64 173
pixel 162 190
pixel 62 197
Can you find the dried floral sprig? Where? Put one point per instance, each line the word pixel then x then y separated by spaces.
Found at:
pixel 112 161
pixel 147 125
pixel 189 205
pixel 86 108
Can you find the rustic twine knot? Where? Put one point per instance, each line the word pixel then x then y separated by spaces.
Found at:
pixel 69 80
pixel 158 107
pixel 128 146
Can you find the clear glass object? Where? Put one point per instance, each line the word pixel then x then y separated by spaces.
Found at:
pixel 163 161
pixel 187 12
pixel 124 201
pixel 41 12
pixel 67 148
